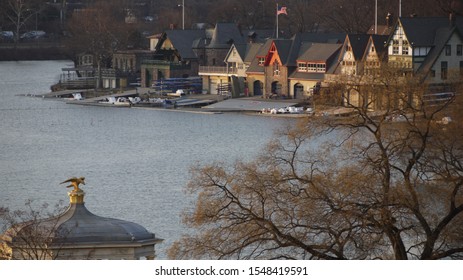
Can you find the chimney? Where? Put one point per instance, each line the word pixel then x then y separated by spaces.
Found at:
pixel 452 19
pixel 389 19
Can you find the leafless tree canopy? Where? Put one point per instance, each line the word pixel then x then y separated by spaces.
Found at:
pixel 368 186
pixel 30 232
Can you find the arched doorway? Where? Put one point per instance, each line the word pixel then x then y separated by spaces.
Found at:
pixel 298 90
pixel 257 88
pixel 276 88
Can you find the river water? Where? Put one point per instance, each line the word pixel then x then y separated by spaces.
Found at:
pixel 135 161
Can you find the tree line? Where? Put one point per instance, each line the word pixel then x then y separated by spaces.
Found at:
pixel 353 16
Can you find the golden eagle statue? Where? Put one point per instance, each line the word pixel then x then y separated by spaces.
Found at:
pixel 75 182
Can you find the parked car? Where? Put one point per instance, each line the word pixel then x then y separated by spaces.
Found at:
pixel 6 36
pixel 36 34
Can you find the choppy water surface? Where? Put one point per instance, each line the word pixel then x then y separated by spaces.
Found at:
pixel 135 161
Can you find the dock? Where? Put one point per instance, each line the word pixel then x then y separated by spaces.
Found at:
pixel 249 104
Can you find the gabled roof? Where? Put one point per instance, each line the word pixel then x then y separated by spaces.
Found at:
pixel 251 51
pixel 380 43
pixel 358 42
pixel 283 46
pixel 309 37
pixel 240 49
pixel 247 52
pixel 226 34
pixel 420 31
pixel 443 35
pixel 183 41
pixel 254 67
pixel 290 49
pixel 318 51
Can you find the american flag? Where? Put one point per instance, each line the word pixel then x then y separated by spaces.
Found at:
pixel 281 10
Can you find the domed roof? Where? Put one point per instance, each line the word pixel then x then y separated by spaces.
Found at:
pixel 79 225
pixel 79 234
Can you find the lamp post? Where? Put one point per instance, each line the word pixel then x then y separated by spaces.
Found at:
pixel 183 14
pixel 263 8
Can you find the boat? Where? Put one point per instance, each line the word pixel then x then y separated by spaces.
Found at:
pixel 120 101
pixel 285 110
pixel 177 93
pixel 77 96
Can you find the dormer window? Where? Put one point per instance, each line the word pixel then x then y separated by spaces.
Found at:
pixel 316 67
pixel 261 61
pixel 302 66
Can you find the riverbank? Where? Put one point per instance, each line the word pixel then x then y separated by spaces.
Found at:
pixel 32 51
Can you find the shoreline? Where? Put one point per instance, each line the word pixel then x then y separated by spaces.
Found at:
pixel 251 106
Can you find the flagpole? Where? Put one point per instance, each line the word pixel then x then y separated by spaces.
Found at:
pixel 376 17
pixel 400 8
pixel 277 20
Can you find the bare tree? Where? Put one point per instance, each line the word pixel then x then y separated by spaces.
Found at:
pixel 99 30
pixel 30 234
pixel 19 12
pixel 369 186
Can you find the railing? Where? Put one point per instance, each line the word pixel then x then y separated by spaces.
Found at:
pixel 88 82
pixel 217 70
pixel 172 65
pixel 438 98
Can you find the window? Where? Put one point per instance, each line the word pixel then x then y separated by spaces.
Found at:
pixel 432 73
pixel 312 67
pixel 261 61
pixel 276 69
pixel 321 67
pixel 395 49
pixel 448 50
pixel 459 50
pixel 443 69
pixel 405 50
pixel 302 66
